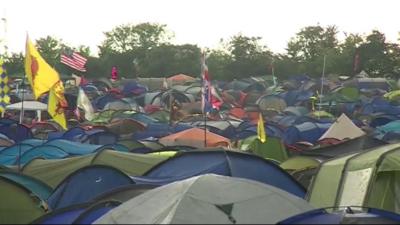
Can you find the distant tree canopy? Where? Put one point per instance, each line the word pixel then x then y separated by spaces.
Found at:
pixel 146 50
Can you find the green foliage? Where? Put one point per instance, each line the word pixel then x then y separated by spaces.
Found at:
pixel 145 50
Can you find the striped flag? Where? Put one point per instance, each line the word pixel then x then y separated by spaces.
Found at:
pixel 4 88
pixel 74 61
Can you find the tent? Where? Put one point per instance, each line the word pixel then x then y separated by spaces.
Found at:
pixel 195 137
pixel 10 155
pixel 35 186
pixel 18 204
pixel 272 148
pixel 124 193
pixel 43 151
pixel 77 214
pixel 229 163
pixel 350 215
pixel 307 131
pixel 232 200
pixel 373 172
pixel 86 183
pixel 52 172
pixel 343 128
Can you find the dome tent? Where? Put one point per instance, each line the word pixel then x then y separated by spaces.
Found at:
pixel 233 200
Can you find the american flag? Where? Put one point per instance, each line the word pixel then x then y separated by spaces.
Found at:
pixel 74 61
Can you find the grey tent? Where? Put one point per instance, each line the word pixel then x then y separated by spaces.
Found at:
pixel 232 200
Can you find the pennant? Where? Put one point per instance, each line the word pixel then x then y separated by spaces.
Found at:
pixel 260 129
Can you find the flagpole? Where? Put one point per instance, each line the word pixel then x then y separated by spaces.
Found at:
pixel 204 111
pixel 322 85
pixel 273 72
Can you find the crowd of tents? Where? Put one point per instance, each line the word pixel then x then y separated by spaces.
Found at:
pixel 148 154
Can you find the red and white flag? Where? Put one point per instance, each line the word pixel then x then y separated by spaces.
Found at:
pixel 74 60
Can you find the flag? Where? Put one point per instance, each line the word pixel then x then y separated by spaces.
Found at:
pixel 260 129
pixel 57 103
pixel 84 103
pixel 4 88
pixel 40 75
pixel 210 99
pixel 74 60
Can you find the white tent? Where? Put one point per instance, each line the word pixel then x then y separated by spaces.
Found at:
pixel 343 128
pixel 28 106
pixel 208 199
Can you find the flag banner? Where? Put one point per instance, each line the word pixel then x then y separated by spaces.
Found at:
pixel 84 103
pixel 210 99
pixel 57 103
pixel 74 60
pixel 260 129
pixel 4 88
pixel 41 76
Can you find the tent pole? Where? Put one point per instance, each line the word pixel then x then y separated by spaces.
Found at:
pixel 21 115
pixel 322 85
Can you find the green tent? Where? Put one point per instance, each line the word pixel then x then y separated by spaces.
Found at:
pixel 363 179
pixel 37 187
pixel 18 204
pixel 161 115
pixel 298 163
pixel 131 144
pixel 273 148
pixel 52 172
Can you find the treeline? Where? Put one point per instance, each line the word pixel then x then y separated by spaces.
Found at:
pixel 146 50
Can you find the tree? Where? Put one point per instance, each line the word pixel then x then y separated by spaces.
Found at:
pixel 15 64
pixel 249 57
pixel 378 58
pixel 125 38
pixel 50 48
pixel 312 42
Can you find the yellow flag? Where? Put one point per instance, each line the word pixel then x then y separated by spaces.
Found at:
pixel 260 129
pixel 57 103
pixel 40 75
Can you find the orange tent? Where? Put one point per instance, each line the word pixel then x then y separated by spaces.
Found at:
pixel 195 137
pixel 180 78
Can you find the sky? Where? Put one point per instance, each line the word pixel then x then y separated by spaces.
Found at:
pixel 202 22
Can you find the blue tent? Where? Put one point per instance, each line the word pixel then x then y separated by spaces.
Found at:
pixel 94 212
pixel 16 132
pixel 307 131
pixel 133 88
pixel 102 101
pixel 77 214
pixel 227 163
pixel 43 151
pixel 9 155
pixel 74 148
pixel 85 184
